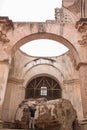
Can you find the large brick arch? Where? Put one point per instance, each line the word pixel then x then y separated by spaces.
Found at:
pixel 50 36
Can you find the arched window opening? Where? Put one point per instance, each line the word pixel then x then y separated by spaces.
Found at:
pixel 43 91
pixel 43 87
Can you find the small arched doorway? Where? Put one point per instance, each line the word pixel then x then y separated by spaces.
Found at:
pixel 43 86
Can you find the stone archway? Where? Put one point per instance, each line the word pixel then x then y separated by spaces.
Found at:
pixel 44 35
pixel 50 36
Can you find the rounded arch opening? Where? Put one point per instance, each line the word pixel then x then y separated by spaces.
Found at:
pixel 43 86
pixel 50 36
pixel 43 48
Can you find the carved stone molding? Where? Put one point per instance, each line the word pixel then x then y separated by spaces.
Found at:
pixel 84 40
pixel 5 62
pixel 81 64
pixel 3 38
pixel 5 26
pixel 72 81
pixel 81 25
pixel 15 81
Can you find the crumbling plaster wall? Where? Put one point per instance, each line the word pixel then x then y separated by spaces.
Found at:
pixel 24 68
pixel 64 31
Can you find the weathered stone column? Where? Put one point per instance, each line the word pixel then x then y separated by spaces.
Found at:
pixel 4 70
pixel 6 26
pixel 81 26
pixel 83 81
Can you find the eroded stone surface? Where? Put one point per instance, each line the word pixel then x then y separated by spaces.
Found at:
pixel 56 114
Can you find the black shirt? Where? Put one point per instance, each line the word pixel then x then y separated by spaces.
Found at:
pixel 32 111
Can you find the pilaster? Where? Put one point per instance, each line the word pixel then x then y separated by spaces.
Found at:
pixel 4 70
pixel 83 82
pixel 81 26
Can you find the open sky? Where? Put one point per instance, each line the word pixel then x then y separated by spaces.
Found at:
pixel 34 11
pixel 29 10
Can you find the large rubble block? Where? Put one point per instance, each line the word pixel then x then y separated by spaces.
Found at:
pixel 56 114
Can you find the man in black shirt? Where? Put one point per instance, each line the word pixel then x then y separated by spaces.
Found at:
pixel 32 110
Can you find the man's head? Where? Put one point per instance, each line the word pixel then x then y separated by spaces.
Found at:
pixel 33 105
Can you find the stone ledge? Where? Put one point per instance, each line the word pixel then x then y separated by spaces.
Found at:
pixel 81 64
pixel 71 81
pixel 15 81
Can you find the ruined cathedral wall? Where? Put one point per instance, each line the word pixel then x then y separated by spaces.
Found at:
pixel 14 95
pixel 25 68
pixel 16 86
pixel 71 82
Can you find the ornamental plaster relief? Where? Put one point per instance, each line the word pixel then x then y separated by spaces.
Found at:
pixel 81 26
pixel 3 38
pixel 5 26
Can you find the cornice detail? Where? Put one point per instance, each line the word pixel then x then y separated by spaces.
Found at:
pixel 81 64
pixel 81 26
pixel 15 81
pixel 71 81
pixel 83 41
pixel 6 61
pixel 3 38
pixel 5 26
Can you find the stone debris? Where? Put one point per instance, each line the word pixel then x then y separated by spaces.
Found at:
pixel 57 114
